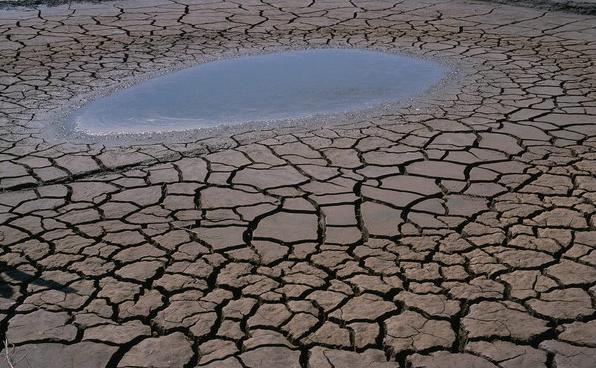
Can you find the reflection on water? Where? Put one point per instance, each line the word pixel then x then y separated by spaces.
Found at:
pixel 283 85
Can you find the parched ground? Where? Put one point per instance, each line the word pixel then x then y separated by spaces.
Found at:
pixel 459 232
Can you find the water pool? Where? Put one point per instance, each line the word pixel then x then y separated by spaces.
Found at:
pixel 267 87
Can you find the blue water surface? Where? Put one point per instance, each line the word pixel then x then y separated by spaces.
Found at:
pixel 268 87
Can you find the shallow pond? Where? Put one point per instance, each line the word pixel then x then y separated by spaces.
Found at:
pixel 261 88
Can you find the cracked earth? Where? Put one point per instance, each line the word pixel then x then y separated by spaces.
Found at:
pixel 456 232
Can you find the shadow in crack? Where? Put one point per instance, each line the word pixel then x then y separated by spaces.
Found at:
pixel 9 272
